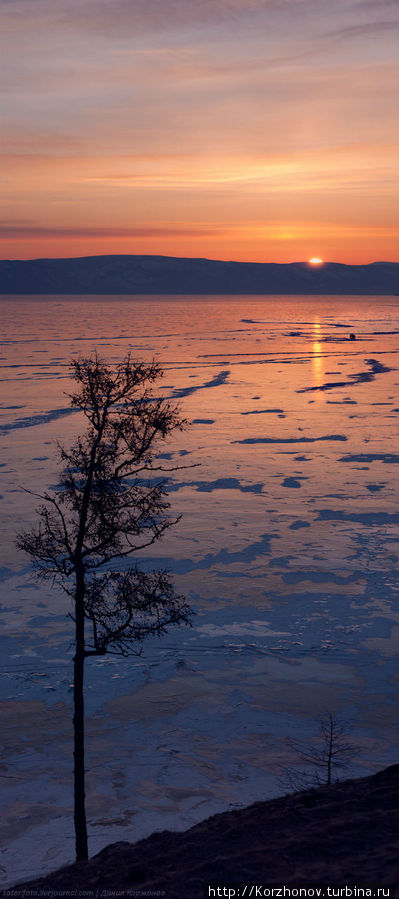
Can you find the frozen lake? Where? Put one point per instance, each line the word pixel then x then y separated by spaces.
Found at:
pixel 287 550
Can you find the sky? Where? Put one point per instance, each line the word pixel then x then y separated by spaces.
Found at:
pixel 257 130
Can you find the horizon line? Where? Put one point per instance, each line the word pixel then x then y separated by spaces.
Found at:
pixel 307 262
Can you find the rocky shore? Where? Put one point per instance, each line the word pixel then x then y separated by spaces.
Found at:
pixel 345 834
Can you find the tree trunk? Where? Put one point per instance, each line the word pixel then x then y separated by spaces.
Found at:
pixel 78 724
pixel 330 751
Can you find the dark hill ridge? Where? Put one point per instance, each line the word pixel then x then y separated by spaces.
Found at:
pixel 345 834
pixel 173 275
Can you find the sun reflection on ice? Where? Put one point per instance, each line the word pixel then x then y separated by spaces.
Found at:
pixel 317 359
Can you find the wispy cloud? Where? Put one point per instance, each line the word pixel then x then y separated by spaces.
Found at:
pixel 122 16
pixel 365 29
pixel 22 231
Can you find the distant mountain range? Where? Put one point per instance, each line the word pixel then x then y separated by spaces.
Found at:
pixel 172 275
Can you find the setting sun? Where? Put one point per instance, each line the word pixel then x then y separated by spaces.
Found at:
pixel 315 260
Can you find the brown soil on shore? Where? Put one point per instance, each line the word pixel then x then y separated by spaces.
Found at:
pixel 345 834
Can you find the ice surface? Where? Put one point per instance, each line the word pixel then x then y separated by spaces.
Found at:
pixel 289 560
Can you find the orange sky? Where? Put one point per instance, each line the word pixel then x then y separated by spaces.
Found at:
pixel 262 130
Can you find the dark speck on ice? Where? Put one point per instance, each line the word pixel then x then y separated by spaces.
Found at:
pixel 291 482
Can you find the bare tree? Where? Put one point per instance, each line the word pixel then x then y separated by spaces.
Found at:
pixel 108 505
pixel 325 758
